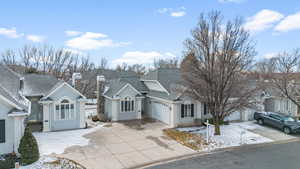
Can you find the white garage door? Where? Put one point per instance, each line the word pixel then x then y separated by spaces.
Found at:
pixel 161 112
pixel 233 116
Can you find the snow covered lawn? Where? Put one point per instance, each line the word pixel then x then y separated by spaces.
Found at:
pixel 234 134
pixel 46 162
pixel 57 142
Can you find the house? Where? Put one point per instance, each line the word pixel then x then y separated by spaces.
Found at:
pixel 154 95
pixel 277 102
pixel 43 99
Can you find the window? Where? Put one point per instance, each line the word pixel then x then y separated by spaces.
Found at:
pixel 2 131
pixel 127 104
pixel 187 110
pixel 65 110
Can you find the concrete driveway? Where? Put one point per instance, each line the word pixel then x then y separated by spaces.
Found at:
pixel 270 132
pixel 124 145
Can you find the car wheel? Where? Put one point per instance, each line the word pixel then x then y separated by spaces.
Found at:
pixel 287 130
pixel 260 121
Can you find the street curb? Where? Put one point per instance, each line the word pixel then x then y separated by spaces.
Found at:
pixel 220 150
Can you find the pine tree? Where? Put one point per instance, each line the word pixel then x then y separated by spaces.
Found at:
pixel 28 148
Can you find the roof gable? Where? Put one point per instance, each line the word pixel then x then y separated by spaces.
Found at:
pixel 60 85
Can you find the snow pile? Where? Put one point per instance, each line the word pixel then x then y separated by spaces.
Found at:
pixel 46 162
pixel 235 134
pixel 57 142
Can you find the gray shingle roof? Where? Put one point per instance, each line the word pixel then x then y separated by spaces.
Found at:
pixel 167 77
pixel 38 84
pixel 10 85
pixel 116 85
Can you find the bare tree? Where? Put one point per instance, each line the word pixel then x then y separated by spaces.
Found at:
pixel 103 64
pixel 216 64
pixel 46 59
pixel 266 66
pixel 285 77
pixel 137 68
pixel 9 57
pixel 166 63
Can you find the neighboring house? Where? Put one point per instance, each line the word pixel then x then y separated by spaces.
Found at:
pixel 155 95
pixel 276 102
pixel 54 103
pixel 38 98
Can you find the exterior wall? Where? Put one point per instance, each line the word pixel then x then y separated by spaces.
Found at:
pixel 66 92
pixel 8 146
pixel 153 85
pixel 36 109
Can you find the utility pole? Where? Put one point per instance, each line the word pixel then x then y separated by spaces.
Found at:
pixel 100 97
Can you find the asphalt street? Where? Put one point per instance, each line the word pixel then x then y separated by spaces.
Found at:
pixel 270 156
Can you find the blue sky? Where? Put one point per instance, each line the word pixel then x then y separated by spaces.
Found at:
pixel 137 31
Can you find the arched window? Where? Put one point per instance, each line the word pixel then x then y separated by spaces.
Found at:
pixel 65 110
pixel 127 104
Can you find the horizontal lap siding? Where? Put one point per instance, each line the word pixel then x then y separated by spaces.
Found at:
pixel 8 146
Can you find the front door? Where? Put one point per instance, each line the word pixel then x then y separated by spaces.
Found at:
pixel 46 118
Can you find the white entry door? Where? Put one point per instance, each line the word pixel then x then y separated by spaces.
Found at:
pixel 46 118
pixel 161 112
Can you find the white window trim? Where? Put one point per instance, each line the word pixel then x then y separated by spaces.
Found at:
pixel 58 103
pixel 130 101
pixel 188 111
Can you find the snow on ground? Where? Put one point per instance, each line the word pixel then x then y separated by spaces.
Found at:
pixel 234 134
pixel 57 142
pixel 40 164
pixel 47 162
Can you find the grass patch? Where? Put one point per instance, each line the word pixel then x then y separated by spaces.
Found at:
pixel 190 140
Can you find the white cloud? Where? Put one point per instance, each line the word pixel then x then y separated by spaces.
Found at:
pixel 11 33
pixel 233 1
pixel 262 20
pixel 72 33
pixel 35 38
pixel 178 12
pixel 291 22
pixel 270 55
pixel 91 35
pixel 91 40
pixel 140 57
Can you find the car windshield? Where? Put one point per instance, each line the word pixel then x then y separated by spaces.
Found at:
pixel 288 119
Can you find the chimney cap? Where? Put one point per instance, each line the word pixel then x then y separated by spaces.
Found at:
pixel 100 78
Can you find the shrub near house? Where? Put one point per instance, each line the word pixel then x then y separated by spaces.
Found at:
pixel 28 148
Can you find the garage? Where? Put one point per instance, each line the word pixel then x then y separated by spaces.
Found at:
pixel 234 116
pixel 161 112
